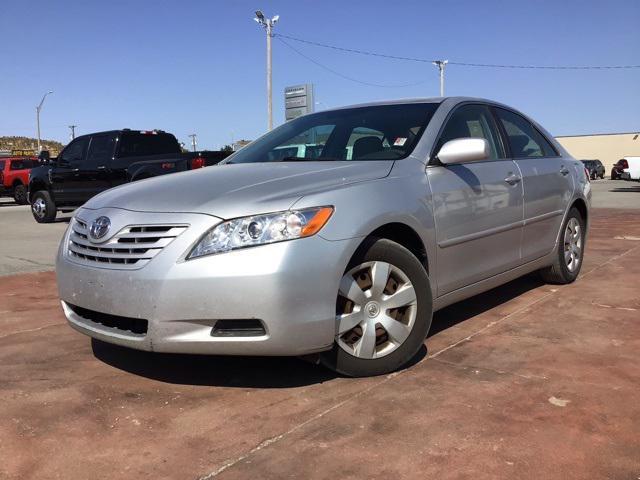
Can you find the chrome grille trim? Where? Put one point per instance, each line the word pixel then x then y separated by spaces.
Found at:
pixel 130 249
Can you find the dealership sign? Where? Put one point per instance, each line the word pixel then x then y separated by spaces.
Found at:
pixel 298 100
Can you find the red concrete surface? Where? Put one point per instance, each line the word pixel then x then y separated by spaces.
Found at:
pixel 526 381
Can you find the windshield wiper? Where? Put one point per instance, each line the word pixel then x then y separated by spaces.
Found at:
pixel 309 159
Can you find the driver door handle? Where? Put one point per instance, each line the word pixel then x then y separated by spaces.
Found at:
pixel 513 179
pixel 564 171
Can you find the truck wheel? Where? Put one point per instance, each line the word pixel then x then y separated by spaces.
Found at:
pixel 20 194
pixel 42 207
pixel 570 251
pixel 383 311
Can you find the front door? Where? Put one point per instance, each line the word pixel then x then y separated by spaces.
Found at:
pixel 65 178
pixel 477 206
pixel 547 181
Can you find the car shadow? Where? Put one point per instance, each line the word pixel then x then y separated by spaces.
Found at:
pixel 459 312
pixel 635 188
pixel 281 372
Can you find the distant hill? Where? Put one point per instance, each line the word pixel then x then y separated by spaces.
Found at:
pixel 9 144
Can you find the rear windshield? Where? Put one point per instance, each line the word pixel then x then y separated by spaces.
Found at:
pixel 381 132
pixel 136 144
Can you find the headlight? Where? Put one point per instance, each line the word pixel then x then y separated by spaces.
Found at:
pixel 261 229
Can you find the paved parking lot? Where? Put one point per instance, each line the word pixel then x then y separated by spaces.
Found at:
pixel 526 381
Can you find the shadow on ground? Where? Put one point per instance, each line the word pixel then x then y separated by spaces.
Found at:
pixel 281 372
pixel 634 189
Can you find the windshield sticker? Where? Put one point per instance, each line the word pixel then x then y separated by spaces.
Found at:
pixel 400 141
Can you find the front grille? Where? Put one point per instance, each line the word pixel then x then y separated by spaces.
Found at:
pixel 129 249
pixel 135 326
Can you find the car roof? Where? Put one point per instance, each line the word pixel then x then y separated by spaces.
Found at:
pixel 436 100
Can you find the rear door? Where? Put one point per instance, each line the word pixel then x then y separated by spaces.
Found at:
pixel 547 181
pixel 95 170
pixel 477 205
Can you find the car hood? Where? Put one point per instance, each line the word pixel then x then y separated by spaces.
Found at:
pixel 235 190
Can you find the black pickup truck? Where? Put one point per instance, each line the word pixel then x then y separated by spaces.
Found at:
pixel 96 162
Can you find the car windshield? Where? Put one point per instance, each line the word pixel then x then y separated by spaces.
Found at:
pixel 382 132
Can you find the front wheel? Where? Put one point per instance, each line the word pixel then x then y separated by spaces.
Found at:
pixel 20 194
pixel 383 311
pixel 43 207
pixel 570 251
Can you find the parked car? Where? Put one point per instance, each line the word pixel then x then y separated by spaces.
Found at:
pixel 627 168
pixel 595 168
pixel 96 162
pixel 617 168
pixel 14 177
pixel 346 259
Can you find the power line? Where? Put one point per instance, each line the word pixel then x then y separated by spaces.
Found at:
pixel 335 72
pixel 461 64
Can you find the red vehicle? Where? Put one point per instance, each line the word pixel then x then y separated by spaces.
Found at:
pixel 14 177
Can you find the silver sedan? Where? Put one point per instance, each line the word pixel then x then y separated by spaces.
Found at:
pixel 337 234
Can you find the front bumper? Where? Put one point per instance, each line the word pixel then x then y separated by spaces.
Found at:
pixel 290 287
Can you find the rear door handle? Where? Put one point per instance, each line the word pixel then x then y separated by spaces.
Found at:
pixel 512 179
pixel 101 167
pixel 564 171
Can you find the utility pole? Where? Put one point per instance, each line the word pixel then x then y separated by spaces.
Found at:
pixel 441 64
pixel 268 24
pixel 73 131
pixel 38 108
pixel 193 141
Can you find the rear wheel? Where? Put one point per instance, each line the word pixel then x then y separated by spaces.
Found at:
pixel 383 311
pixel 43 207
pixel 20 194
pixel 570 251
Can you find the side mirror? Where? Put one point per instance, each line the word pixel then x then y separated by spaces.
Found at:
pixel 44 156
pixel 463 150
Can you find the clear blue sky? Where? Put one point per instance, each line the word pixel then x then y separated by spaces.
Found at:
pixel 199 66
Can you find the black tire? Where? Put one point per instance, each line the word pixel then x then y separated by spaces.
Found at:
pixel 20 194
pixel 602 177
pixel 48 213
pixel 387 251
pixel 559 272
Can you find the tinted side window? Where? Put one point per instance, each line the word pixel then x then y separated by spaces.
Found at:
pixel 135 144
pixel 73 154
pixel 1 165
pixel 473 121
pixel 524 139
pixel 100 150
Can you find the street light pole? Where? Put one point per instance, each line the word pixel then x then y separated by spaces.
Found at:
pixel 441 64
pixel 268 24
pixel 193 141
pixel 73 131
pixel 38 108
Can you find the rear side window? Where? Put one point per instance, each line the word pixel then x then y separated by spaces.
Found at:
pixel 21 165
pixel 100 150
pixel 2 165
pixel 135 144
pixel 524 139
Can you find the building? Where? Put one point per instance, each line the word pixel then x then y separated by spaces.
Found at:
pixel 239 144
pixel 606 147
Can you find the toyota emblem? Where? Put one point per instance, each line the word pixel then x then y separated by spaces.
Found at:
pixel 99 227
